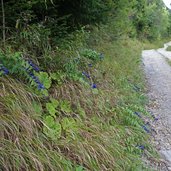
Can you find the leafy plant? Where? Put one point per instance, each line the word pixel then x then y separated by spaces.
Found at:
pixel 79 168
pixel 58 77
pixel 65 106
pixel 91 55
pixel 72 70
pixel 52 128
pixel 52 107
pixel 70 127
pixel 45 79
pixel 25 69
pixel 68 124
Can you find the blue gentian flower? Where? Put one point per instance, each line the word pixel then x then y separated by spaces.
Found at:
pixel 5 70
pixel 83 73
pixel 41 86
pixel 36 80
pixel 86 74
pixel 141 147
pixel 156 119
pixel 93 86
pixel 138 114
pixel 35 67
pixel 90 65
pixel 146 129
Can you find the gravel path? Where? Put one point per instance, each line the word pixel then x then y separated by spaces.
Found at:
pixel 158 74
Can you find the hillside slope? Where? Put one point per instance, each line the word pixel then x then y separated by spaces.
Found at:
pixel 93 123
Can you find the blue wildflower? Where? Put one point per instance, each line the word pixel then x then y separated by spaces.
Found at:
pixel 5 70
pixel 40 86
pixel 155 119
pixel 31 74
pixel 36 80
pixel 90 65
pixel 138 114
pixel 146 129
pixel 93 86
pixel 86 74
pixel 141 147
pixel 35 67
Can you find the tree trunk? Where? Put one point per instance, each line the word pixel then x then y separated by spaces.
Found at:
pixel 3 21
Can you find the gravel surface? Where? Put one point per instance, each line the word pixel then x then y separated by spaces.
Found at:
pixel 158 74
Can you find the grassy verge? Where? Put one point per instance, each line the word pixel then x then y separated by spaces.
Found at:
pixel 168 61
pixel 155 44
pixel 78 126
pixel 168 48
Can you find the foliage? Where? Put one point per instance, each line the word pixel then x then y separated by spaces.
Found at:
pixel 75 132
pixel 151 19
pixel 55 19
pixel 71 97
pixel 52 129
pixel 168 61
pixel 168 48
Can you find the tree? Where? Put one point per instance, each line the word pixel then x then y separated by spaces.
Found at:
pixel 3 21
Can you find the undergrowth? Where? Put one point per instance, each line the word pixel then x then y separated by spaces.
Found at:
pixel 147 45
pixel 74 107
pixel 168 48
pixel 168 61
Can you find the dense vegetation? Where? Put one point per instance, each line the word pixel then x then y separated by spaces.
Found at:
pixel 72 89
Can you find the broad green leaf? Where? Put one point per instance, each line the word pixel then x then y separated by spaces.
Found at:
pixel 47 83
pixel 52 128
pixel 45 79
pixel 54 76
pixel 79 168
pixel 55 102
pixel 53 132
pixel 44 92
pixel 49 121
pixel 68 123
pixel 51 109
pixel 65 106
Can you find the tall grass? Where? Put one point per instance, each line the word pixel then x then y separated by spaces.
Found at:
pixel 168 48
pixel 147 45
pixel 104 132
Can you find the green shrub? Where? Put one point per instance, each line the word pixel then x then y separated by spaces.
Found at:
pixel 168 48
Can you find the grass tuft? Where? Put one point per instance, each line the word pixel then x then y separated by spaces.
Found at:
pixel 147 45
pixel 168 48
